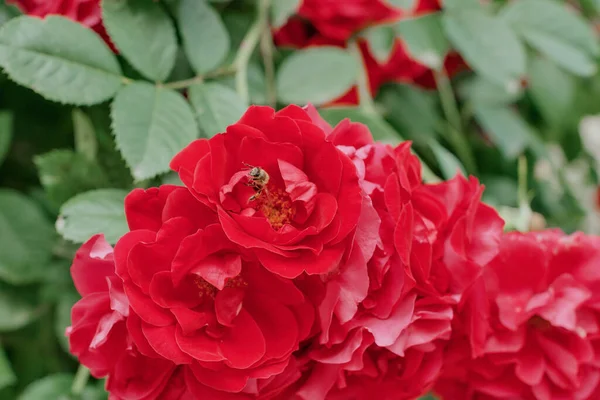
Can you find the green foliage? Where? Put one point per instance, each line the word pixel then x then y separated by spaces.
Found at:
pixel 151 124
pixel 425 39
pixel 299 82
pixel 97 211
pixel 205 38
pixel 59 59
pixel 216 106
pixel 144 33
pixel 488 44
pixel 27 238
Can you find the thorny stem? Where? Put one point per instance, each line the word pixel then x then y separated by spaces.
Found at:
pixel 81 378
pixel 228 70
pixel 364 93
pixel 266 49
pixel 454 131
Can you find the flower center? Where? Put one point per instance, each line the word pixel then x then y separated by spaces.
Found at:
pixel 207 289
pixel 540 323
pixel 277 207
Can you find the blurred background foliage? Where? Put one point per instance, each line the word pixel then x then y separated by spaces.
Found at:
pixel 524 119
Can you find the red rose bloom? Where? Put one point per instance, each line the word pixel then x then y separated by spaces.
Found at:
pixel 197 301
pixel 340 20
pixel 98 336
pixel 532 323
pixel 86 12
pixel 393 344
pixel 303 218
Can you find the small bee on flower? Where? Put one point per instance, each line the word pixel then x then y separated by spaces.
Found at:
pixel 259 178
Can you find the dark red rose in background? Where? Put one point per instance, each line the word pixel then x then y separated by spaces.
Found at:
pixel 305 218
pixel 340 20
pixel 86 12
pixel 532 323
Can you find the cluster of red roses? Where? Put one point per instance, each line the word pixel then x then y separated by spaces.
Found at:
pixel 341 276
pixel 338 278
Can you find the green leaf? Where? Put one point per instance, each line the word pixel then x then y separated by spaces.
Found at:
pixel 457 5
pixel 564 54
pixel 64 173
pixel 482 90
pixel 282 10
pixel 143 33
pixel 379 128
pixel 557 32
pixel 316 75
pixel 216 106
pixel 7 375
pixel 15 310
pixel 381 41
pixel 403 4
pixel 6 133
pixel 449 164
pixel 56 387
pixel 85 135
pixel 425 39
pixel 151 125
pixel 553 91
pixel 59 59
pixel 205 38
pixel 505 128
pixel 413 111
pixel 487 44
pixel 63 317
pixel 96 211
pixel 27 238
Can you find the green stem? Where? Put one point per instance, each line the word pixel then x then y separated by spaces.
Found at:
pixel 362 81
pixel 228 70
pixel 81 378
pixel 455 130
pixel 522 180
pixel 266 49
pixel 242 58
pixel 427 174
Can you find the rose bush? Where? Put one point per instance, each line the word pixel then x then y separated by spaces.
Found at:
pixel 532 324
pixel 333 23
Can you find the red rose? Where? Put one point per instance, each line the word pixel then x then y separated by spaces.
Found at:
pixel 340 20
pixel 86 12
pixel 304 218
pixel 535 313
pixel 197 301
pixel 433 242
pixel 98 336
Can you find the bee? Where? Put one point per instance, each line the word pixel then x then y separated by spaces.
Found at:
pixel 259 178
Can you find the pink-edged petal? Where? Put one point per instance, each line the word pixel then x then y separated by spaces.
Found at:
pixel 228 305
pixel 92 264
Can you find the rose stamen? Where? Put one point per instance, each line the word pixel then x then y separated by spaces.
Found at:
pixel 206 289
pixel 539 323
pixel 277 207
